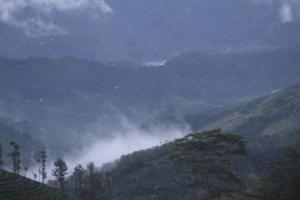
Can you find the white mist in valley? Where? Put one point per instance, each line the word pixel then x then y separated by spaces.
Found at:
pixel 126 139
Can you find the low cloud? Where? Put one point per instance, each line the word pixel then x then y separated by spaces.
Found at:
pixel 126 138
pixel 34 16
pixel 288 10
pixel 286 13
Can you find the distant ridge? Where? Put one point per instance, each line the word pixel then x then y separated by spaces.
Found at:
pixel 274 119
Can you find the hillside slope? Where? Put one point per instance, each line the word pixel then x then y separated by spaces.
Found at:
pixel 15 187
pixel 269 122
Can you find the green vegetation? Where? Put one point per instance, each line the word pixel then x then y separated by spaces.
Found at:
pixel 1 161
pixel 60 171
pixel 16 157
pixel 23 134
pixel 15 187
pixel 215 165
pixel 205 167
pixel 210 155
pixel 41 159
pixel 268 124
pixel 152 174
pixel 78 175
pixel 281 179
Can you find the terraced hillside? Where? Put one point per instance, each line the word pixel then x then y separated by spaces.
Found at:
pixel 15 187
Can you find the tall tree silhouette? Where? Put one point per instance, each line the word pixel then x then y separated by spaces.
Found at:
pixel 209 156
pixel 16 157
pixel 60 172
pixel 104 185
pixel 25 171
pixel 91 172
pixel 41 159
pixel 78 174
pixel 1 161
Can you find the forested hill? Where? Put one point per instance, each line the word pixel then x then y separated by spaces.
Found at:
pixel 273 120
pixel 268 124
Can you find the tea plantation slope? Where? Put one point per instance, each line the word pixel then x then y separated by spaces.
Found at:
pixel 15 187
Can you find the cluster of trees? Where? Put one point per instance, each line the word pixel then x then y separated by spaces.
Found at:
pixel 88 184
pixel 84 183
pixel 281 178
pixel 1 162
pixel 210 157
pixel 209 165
pixel 15 155
pixel 205 162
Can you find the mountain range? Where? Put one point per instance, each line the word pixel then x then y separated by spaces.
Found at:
pixel 143 30
pixel 60 98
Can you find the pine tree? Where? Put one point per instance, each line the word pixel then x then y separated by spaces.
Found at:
pixel 209 156
pixel 91 171
pixel 34 176
pixel 59 172
pixel 41 159
pixel 105 184
pixel 108 184
pixel 1 161
pixel 15 155
pixel 78 173
pixel 25 171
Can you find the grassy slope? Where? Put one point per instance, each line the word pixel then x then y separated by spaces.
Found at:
pixel 14 187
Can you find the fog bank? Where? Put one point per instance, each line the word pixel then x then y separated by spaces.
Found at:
pixel 124 141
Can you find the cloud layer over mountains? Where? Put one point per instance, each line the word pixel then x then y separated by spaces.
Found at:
pixel 35 16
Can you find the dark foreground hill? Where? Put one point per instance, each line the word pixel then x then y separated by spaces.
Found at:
pixel 15 187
